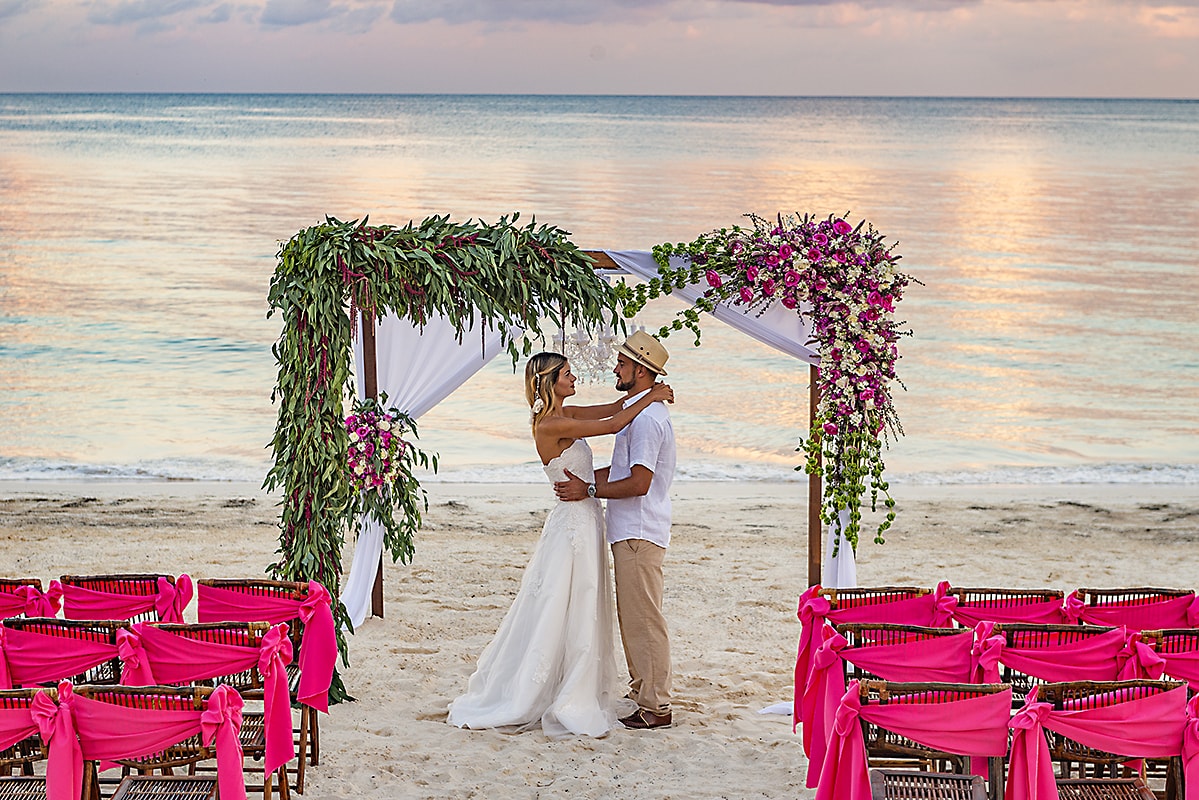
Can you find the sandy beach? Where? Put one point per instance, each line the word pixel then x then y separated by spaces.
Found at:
pixel 735 569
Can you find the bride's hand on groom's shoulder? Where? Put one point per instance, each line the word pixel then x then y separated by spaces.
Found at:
pixel 661 391
pixel 573 488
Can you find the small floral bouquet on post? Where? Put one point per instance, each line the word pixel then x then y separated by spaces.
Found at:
pixel 379 465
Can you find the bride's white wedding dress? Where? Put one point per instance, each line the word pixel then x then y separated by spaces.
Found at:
pixel 553 659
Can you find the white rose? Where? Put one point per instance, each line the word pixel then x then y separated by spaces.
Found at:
pixel 353 436
pixel 384 425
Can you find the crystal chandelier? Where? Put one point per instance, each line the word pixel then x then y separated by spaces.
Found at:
pixel 592 355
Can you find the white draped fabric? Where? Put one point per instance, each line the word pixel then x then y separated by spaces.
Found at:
pixel 779 327
pixel 841 570
pixel 417 368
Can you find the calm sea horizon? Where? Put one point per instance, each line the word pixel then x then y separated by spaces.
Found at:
pixel 1056 240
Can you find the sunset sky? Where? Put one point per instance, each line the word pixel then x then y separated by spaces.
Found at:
pixel 1054 48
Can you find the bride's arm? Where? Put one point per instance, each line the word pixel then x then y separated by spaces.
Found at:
pixel 565 427
pixel 594 412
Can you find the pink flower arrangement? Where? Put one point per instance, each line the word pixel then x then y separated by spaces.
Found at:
pixel 845 280
pixel 375 454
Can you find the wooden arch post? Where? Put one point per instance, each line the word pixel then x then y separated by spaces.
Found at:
pixel 370 387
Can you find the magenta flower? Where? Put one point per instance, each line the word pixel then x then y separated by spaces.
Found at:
pixel 862 346
pixel 351 422
pixel 772 259
pixel 842 227
pixel 839 257
pixel 362 431
pixel 820 239
pixel 785 251
pixel 747 294
pixel 368 449
pixel 751 273
pixel 813 254
pixel 866 395
pixel 791 278
pixel 768 287
pixel 713 278
pixel 789 301
pixel 830 428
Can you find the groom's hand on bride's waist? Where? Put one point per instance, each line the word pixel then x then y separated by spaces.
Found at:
pixel 573 488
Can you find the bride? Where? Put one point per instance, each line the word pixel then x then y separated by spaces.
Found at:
pixel 553 661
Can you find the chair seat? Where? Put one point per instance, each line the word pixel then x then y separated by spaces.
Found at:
pixel 906 784
pixel 166 787
pixel 1104 789
pixel 23 788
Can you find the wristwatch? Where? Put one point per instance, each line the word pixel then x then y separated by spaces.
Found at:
pixel 591 490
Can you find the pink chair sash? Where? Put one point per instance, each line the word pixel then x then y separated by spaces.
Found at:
pixel 933 610
pixel 107 732
pixel 976 726
pixel 943 658
pixel 169 603
pixel 34 658
pixel 1175 612
pixel 1139 660
pixel 64 766
pixel 318 645
pixel 1151 727
pixel 1190 747
pixel 1183 666
pixel 154 656
pixel 29 601
pixel 1040 612
pixel 16 724
pixel 1093 658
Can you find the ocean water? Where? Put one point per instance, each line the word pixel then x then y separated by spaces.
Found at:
pixel 1054 336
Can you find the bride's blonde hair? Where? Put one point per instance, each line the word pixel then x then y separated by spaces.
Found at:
pixel 541 373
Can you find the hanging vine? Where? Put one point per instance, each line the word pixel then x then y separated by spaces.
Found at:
pixel 846 278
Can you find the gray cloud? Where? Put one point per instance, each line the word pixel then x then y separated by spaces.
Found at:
pixel 141 11
pixel 351 16
pixel 11 8
pixel 568 11
pixel 222 13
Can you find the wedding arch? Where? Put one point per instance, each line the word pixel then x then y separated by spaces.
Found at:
pixel 453 295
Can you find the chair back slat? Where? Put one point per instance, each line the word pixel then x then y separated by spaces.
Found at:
pixel 871 595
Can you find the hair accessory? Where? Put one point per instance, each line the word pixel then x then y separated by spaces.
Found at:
pixel 538 404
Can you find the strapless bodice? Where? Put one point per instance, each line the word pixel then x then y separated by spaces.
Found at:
pixel 576 458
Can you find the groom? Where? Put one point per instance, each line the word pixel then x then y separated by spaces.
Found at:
pixel 637 486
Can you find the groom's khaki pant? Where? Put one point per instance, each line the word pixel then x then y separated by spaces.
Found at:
pixel 638 566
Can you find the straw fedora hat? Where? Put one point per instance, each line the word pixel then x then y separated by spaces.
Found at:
pixel 646 351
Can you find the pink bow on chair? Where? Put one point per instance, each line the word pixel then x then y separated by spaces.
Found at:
pixel 318 648
pixel 172 600
pixel 56 722
pixel 273 658
pixel 221 722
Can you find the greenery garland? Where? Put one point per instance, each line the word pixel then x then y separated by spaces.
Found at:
pixel 508 275
pixel 847 279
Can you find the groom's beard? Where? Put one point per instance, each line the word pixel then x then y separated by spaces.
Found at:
pixel 623 386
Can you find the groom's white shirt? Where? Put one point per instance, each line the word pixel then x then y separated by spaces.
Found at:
pixel 649 441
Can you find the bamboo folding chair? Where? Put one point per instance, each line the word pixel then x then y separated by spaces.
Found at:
pixel 1130 607
pixel 307 735
pixel 1086 772
pixel 1003 605
pixel 860 635
pixel 21 756
pixel 125 585
pixel 190 753
pixel 1030 636
pixel 861 596
pixel 248 683
pixel 106 671
pixel 907 769
pixel 10 586
pixel 1180 649
pixel 906 784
